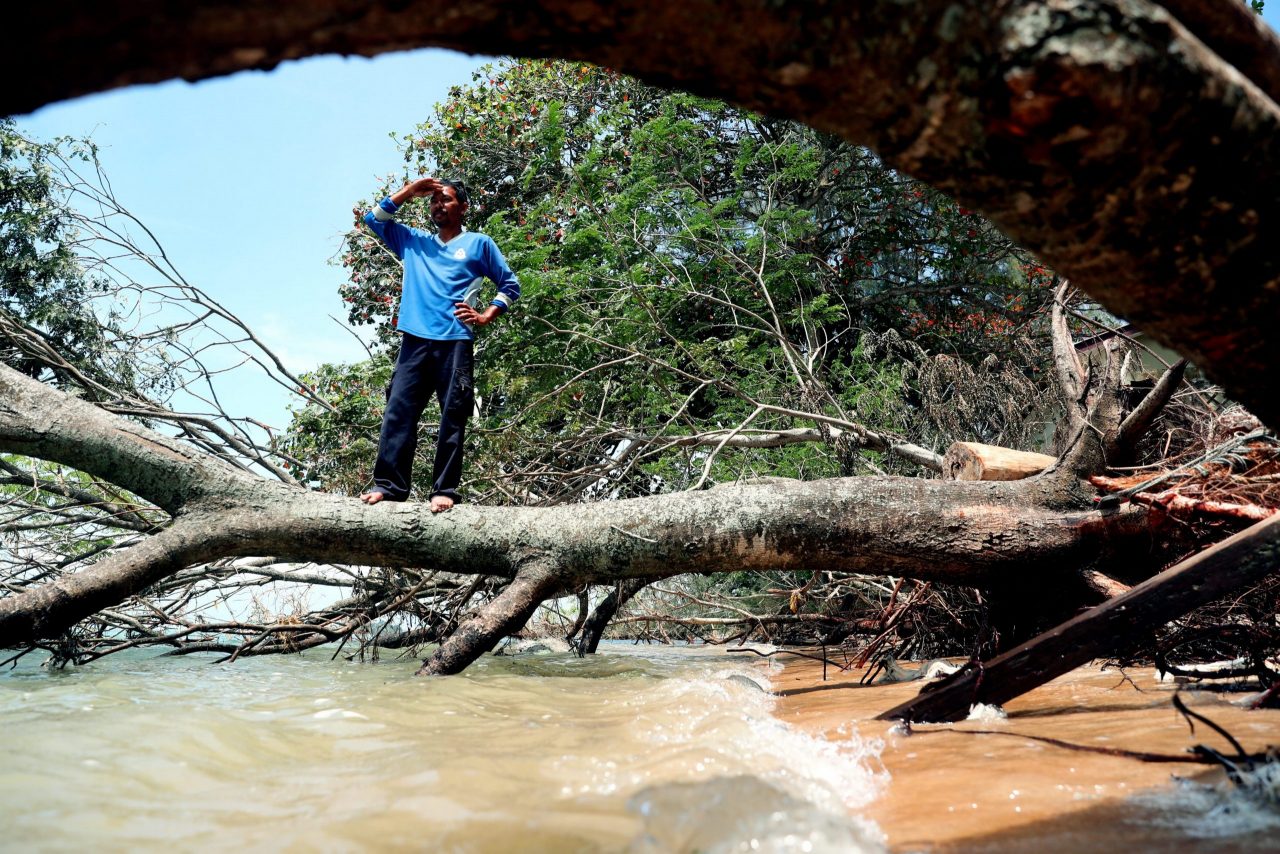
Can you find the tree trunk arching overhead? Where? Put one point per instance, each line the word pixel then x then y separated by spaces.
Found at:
pixel 1131 144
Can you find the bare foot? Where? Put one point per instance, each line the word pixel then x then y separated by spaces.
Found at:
pixel 373 497
pixel 440 503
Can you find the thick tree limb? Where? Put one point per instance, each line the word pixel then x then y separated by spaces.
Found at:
pixel 504 615
pixel 1137 422
pixel 973 533
pixel 1066 361
pixel 1237 34
pixel 50 609
pixel 1091 391
pixel 38 421
pixel 593 629
pixel 976 461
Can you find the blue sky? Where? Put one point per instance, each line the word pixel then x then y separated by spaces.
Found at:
pixel 249 180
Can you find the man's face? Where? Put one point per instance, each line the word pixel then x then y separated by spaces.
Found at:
pixel 446 210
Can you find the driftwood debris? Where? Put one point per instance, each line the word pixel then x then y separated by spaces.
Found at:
pixel 974 461
pixel 1236 480
pixel 1243 559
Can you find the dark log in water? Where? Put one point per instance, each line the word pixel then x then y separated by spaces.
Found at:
pixel 1245 558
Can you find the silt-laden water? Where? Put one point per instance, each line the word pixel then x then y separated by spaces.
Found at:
pixel 636 749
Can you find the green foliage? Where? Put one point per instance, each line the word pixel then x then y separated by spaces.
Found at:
pixel 687 267
pixel 42 282
pixel 338 448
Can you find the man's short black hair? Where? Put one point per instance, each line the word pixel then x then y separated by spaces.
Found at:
pixel 459 190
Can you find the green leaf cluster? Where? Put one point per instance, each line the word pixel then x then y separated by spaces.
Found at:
pixel 43 284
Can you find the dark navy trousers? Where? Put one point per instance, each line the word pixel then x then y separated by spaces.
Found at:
pixel 424 368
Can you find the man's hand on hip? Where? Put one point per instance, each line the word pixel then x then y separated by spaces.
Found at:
pixel 469 315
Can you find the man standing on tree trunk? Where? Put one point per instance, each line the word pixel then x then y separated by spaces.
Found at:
pixel 443 274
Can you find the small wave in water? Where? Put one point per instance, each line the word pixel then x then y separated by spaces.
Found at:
pixel 635 749
pixel 1222 810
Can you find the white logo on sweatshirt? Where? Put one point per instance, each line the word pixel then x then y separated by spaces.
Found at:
pixel 460 254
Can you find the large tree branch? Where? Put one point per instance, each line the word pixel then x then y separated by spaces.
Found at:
pixel 972 533
pixel 505 614
pixel 1245 558
pixel 41 422
pixel 1136 423
pixel 1237 34
pixel 50 609
pixel 1066 361
pixel 604 613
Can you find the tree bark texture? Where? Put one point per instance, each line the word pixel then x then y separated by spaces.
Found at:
pixel 505 614
pixel 1115 138
pixel 1243 559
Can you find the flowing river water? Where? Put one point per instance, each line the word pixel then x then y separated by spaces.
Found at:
pixel 638 749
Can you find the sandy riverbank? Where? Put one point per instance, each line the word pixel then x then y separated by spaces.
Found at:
pixel 956 792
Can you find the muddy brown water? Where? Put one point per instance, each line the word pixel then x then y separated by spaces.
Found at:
pixel 639 749
pixel 954 789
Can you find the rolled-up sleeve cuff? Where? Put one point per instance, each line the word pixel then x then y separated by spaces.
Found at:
pixel 385 210
pixel 502 301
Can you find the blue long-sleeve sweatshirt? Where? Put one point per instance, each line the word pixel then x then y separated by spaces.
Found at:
pixel 438 275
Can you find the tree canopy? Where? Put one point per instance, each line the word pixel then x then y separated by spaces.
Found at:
pixel 696 274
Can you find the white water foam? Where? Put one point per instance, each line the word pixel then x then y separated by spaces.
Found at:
pixel 986 713
pixel 740 781
pixel 1223 810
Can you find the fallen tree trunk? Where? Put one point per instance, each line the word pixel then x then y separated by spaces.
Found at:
pixel 504 615
pixel 1027 535
pixel 1130 144
pixel 1108 629
pixel 963 533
